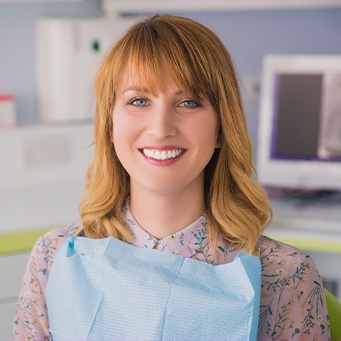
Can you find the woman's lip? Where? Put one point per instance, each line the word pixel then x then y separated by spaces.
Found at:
pixel 161 148
pixel 162 160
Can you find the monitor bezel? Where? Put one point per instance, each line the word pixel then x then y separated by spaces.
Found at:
pixel 307 174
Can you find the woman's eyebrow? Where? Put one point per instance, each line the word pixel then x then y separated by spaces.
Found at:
pixel 146 90
pixel 137 89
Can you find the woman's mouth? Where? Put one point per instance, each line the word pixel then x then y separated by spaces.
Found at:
pixel 162 155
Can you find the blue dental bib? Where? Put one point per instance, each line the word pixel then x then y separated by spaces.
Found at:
pixel 105 289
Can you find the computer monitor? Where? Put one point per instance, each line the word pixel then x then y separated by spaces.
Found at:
pixel 299 136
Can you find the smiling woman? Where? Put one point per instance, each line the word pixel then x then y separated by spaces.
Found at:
pixel 147 127
pixel 171 244
pixel 184 54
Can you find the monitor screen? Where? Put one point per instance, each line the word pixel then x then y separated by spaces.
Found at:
pixel 299 137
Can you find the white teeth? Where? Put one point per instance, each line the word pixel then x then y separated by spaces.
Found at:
pixel 157 155
pixel 162 155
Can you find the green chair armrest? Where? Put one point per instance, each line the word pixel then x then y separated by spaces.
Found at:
pixel 334 312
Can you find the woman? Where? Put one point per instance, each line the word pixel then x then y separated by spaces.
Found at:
pixel 172 171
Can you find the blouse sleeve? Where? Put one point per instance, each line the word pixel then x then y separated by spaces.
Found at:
pixel 31 321
pixel 31 318
pixel 301 311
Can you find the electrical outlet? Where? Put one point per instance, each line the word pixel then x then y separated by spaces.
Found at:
pixel 44 150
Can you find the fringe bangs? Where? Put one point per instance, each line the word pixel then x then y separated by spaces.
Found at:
pixel 187 60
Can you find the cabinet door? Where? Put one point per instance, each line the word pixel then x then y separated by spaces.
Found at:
pixel 6 320
pixel 12 269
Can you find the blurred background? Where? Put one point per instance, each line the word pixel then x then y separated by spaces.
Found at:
pixel 49 51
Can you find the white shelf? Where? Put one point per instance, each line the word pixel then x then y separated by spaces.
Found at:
pixel 112 7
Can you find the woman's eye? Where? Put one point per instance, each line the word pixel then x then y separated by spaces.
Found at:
pixel 139 102
pixel 189 104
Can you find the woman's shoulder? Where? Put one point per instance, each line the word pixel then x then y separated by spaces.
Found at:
pixel 292 299
pixel 62 232
pixel 283 263
pixel 55 237
pixel 273 248
pixel 47 246
pixel 274 251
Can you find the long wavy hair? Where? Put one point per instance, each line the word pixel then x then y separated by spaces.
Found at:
pixel 236 205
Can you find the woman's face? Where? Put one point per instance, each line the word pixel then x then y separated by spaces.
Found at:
pixel 164 141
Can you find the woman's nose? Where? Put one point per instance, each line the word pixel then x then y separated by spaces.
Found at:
pixel 162 122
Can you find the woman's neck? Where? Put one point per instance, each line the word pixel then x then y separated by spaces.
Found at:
pixel 162 215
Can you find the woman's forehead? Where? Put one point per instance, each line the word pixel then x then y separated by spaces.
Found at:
pixel 154 78
pixel 141 78
pixel 138 81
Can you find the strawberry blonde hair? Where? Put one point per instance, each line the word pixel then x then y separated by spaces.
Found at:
pixel 236 205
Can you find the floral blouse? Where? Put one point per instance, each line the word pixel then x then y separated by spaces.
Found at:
pixel 292 300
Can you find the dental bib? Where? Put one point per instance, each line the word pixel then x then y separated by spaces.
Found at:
pixel 105 289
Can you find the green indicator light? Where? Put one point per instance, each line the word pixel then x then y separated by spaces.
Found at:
pixel 96 46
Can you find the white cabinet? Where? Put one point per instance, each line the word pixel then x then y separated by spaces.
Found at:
pixel 42 179
pixel 12 269
pixel 68 52
pixel 6 320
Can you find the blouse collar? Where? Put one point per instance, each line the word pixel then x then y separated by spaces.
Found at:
pixel 186 242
